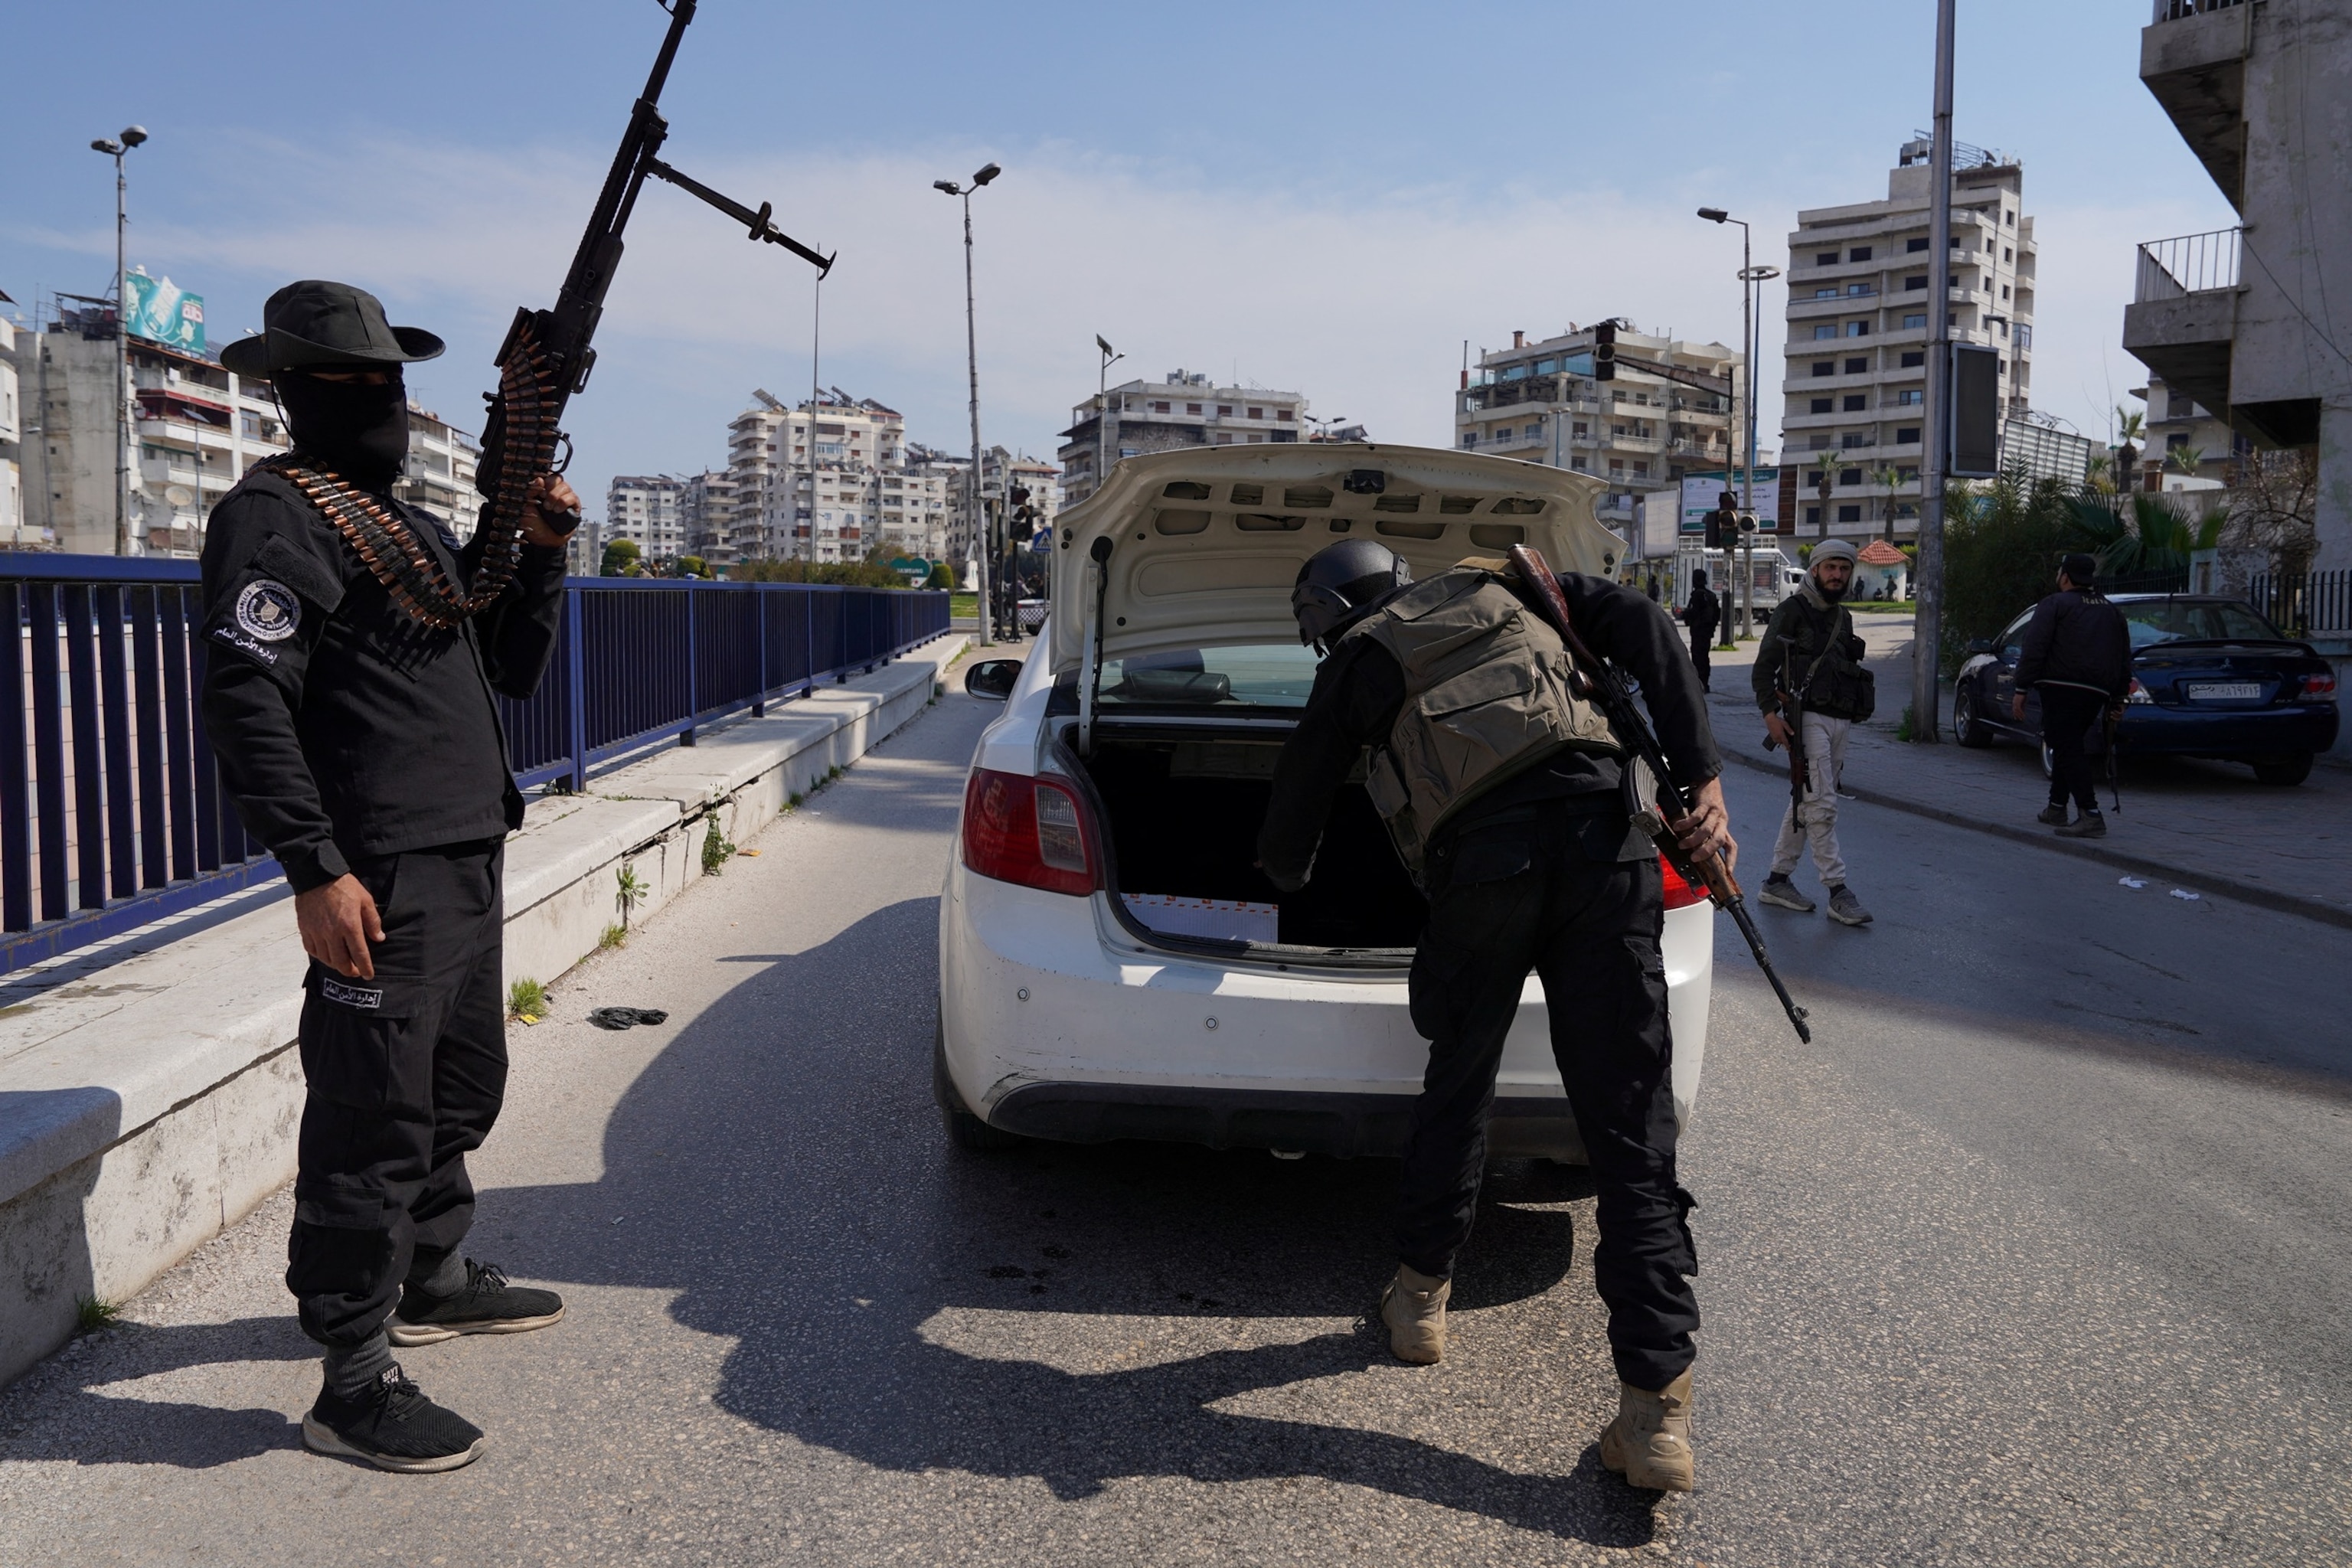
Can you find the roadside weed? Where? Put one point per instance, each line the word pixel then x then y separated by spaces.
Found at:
pixel 615 936
pixel 630 890
pixel 92 1313
pixel 526 1000
pixel 716 849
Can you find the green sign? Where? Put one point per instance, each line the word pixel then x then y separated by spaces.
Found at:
pixel 160 312
pixel 914 568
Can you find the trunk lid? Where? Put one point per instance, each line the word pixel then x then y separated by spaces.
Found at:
pixel 1206 541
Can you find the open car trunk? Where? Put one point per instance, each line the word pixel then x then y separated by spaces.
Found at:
pixel 1182 810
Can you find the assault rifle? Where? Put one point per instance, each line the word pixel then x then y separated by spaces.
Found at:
pixel 546 357
pixel 1633 732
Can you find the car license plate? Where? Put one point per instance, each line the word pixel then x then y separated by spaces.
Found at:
pixel 2224 691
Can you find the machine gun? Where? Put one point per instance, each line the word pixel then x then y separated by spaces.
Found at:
pixel 546 356
pixel 1633 732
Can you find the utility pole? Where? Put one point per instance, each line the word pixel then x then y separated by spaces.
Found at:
pixel 132 135
pixel 816 331
pixel 971 356
pixel 1927 629
pixel 1111 356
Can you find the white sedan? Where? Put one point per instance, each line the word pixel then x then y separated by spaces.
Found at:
pixel 1111 962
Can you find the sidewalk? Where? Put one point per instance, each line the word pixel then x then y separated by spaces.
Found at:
pixel 2202 825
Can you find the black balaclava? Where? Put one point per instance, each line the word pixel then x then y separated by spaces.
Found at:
pixel 358 430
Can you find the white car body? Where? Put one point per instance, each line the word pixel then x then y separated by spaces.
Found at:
pixel 1061 1016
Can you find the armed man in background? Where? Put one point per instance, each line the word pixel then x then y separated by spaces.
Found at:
pixel 2077 655
pixel 1701 615
pixel 1812 688
pixel 1520 834
pixel 351 650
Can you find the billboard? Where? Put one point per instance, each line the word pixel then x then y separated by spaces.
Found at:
pixel 160 312
pixel 1701 491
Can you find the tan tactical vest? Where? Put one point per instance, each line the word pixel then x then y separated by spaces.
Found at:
pixel 1486 696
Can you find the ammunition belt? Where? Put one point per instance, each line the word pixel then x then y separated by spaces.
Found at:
pixel 388 546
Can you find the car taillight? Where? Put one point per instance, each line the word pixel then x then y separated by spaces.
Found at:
pixel 2138 693
pixel 2319 688
pixel 1033 832
pixel 1680 894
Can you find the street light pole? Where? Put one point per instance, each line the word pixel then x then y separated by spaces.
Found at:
pixel 971 358
pixel 1747 596
pixel 1927 629
pixel 1111 356
pixel 132 135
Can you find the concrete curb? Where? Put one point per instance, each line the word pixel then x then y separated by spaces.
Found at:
pixel 147 1104
pixel 2199 881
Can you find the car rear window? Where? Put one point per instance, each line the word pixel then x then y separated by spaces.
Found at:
pixel 2154 621
pixel 1258 675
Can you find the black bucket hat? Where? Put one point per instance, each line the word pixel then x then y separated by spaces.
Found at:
pixel 315 323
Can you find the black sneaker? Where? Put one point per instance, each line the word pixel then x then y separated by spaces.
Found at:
pixel 487 1305
pixel 392 1426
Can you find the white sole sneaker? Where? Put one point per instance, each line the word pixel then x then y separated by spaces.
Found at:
pixel 319 1438
pixel 402 1334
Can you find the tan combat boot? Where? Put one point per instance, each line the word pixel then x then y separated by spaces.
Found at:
pixel 1649 1443
pixel 1414 1308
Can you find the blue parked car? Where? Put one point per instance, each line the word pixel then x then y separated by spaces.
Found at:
pixel 2210 678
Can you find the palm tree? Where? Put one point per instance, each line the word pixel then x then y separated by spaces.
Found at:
pixel 1890 479
pixel 2188 459
pixel 2154 534
pixel 2099 475
pixel 2131 425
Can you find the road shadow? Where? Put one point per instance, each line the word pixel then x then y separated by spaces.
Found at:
pixel 81 1422
pixel 781 1166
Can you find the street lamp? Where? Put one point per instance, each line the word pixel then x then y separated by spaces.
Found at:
pixel 1747 425
pixel 132 136
pixel 971 353
pixel 1111 356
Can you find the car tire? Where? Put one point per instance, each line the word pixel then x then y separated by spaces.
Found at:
pixel 2049 761
pixel 1968 727
pixel 2284 772
pixel 964 1130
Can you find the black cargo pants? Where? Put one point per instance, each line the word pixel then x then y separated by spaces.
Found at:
pixel 2067 715
pixel 1551 894
pixel 406 1073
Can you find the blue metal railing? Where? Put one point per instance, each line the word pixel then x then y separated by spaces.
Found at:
pixel 111 810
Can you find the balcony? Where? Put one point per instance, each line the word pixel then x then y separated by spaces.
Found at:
pixel 2184 312
pixel 2192 59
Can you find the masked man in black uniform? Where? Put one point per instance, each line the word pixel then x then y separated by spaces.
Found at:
pixel 347 693
pixel 1503 792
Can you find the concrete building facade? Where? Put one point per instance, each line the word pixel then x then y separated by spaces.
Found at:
pixel 1182 410
pixel 438 473
pixel 2237 319
pixel 1855 383
pixel 2183 438
pixel 1641 432
pixel 12 437
pixel 650 510
pixel 830 480
pixel 707 511
pixel 197 430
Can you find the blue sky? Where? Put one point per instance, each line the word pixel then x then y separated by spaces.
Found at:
pixel 1328 199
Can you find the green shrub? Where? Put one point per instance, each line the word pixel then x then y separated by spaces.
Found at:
pixel 527 999
pixel 630 890
pixel 92 1313
pixel 615 936
pixel 716 849
pixel 2002 548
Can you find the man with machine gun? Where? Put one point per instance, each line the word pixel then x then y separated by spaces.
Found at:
pixel 1811 684
pixel 1528 852
pixel 351 648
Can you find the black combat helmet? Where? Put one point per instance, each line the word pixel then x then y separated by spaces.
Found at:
pixel 1341 584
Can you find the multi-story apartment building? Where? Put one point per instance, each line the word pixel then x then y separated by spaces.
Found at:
pixel 830 480
pixel 1856 387
pixel 1539 402
pixel 2239 320
pixel 438 473
pixel 649 508
pixel 197 429
pixel 12 436
pixel 1001 470
pixel 2183 440
pixel 1183 410
pixel 707 513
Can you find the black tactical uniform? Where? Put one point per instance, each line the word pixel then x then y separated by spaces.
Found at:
pixel 1540 871
pixel 353 739
pixel 1702 614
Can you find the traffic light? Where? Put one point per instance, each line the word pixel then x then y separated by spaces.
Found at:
pixel 1604 352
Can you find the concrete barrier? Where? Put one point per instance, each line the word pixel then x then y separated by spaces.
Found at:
pixel 150 1092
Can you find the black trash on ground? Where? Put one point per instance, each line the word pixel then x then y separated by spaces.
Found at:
pixel 627 1018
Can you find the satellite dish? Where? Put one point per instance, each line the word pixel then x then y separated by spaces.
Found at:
pixel 179 495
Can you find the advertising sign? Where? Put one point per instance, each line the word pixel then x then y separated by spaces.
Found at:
pixel 1701 491
pixel 160 312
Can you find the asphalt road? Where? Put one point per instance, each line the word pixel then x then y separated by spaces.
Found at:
pixel 2039 1253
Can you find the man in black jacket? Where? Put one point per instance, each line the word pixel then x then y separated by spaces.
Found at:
pixel 1539 868
pixel 1702 614
pixel 2077 655
pixel 349 698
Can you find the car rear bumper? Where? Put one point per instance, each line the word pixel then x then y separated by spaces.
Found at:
pixel 1053 1023
pixel 2153 729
